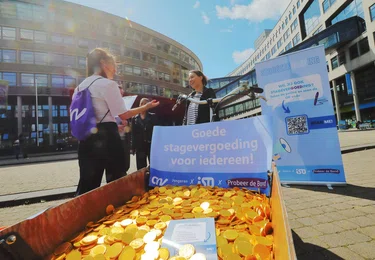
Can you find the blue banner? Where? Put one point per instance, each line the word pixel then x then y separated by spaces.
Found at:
pixel 348 84
pixel 306 145
pixel 224 154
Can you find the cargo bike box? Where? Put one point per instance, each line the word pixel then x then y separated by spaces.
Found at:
pixel 39 236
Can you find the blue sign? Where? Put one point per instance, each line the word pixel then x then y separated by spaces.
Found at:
pixel 349 84
pixel 225 154
pixel 306 145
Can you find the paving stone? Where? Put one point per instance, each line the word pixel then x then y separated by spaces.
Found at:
pixel 322 219
pixel 308 221
pixel 314 211
pixel 301 213
pixel 295 224
pixel 346 224
pixel 341 206
pixel 345 253
pixel 319 244
pixel 369 231
pixel 292 216
pixel 306 232
pixel 366 249
pixel 344 238
pixel 334 215
pixel 367 209
pixel 328 228
pixel 362 221
pixel 350 213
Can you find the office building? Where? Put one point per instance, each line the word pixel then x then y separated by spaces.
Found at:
pixel 43 45
pixel 346 28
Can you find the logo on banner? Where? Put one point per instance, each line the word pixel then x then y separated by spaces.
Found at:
pixel 206 181
pixel 158 181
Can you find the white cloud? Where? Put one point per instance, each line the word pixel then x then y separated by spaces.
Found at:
pixel 196 5
pixel 240 56
pixel 226 30
pixel 257 10
pixel 206 19
pixel 232 2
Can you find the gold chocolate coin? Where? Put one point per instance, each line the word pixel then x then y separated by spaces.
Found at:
pixel 186 251
pixel 128 253
pixel 163 253
pixel 198 256
pixel 74 255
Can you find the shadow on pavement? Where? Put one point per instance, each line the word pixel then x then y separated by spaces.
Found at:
pixel 360 192
pixel 307 251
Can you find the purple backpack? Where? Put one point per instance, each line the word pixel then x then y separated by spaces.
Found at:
pixel 82 114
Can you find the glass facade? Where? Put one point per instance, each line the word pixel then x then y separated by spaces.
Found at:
pixel 354 8
pixel 372 12
pixel 311 17
pixel 8 56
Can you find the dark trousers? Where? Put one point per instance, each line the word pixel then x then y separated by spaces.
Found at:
pixel 99 152
pixel 126 146
pixel 142 157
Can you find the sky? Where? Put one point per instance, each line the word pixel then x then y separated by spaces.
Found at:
pixel 220 32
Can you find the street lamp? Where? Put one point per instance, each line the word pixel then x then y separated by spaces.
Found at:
pixel 37 112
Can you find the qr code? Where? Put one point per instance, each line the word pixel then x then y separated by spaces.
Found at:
pixel 297 125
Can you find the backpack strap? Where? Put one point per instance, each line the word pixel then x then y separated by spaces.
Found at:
pixel 104 116
pixel 91 83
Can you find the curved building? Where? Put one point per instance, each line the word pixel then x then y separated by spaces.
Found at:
pixel 43 45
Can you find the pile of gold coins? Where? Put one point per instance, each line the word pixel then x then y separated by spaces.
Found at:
pixel 135 230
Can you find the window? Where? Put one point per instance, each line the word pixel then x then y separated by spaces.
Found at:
pixel 353 51
pixel 27 57
pixel 68 39
pixel 286 21
pixel 57 81
pixel 294 25
pixel 83 43
pixel 167 77
pixel 290 16
pixel 128 69
pixel 137 71
pixel 40 37
pixel 294 10
pixel 135 54
pixel 274 49
pixel 69 61
pixel 56 59
pixel 372 12
pixel 355 8
pixel 41 58
pixel 342 58
pixel 57 38
pixel 289 46
pixel 175 51
pixel 363 46
pixel 26 35
pixel 326 5
pixel 149 57
pixel 82 62
pixel 8 33
pixel 64 128
pixel 282 26
pixel 334 62
pixel 11 77
pixel 279 43
pixel 41 80
pixel 311 17
pixel 296 39
pixel 69 82
pixel 63 111
pixel 27 80
pixel 8 56
pixel 160 75
pixel 286 35
pixel 298 3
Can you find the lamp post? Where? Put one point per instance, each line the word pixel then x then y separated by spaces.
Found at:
pixel 37 112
